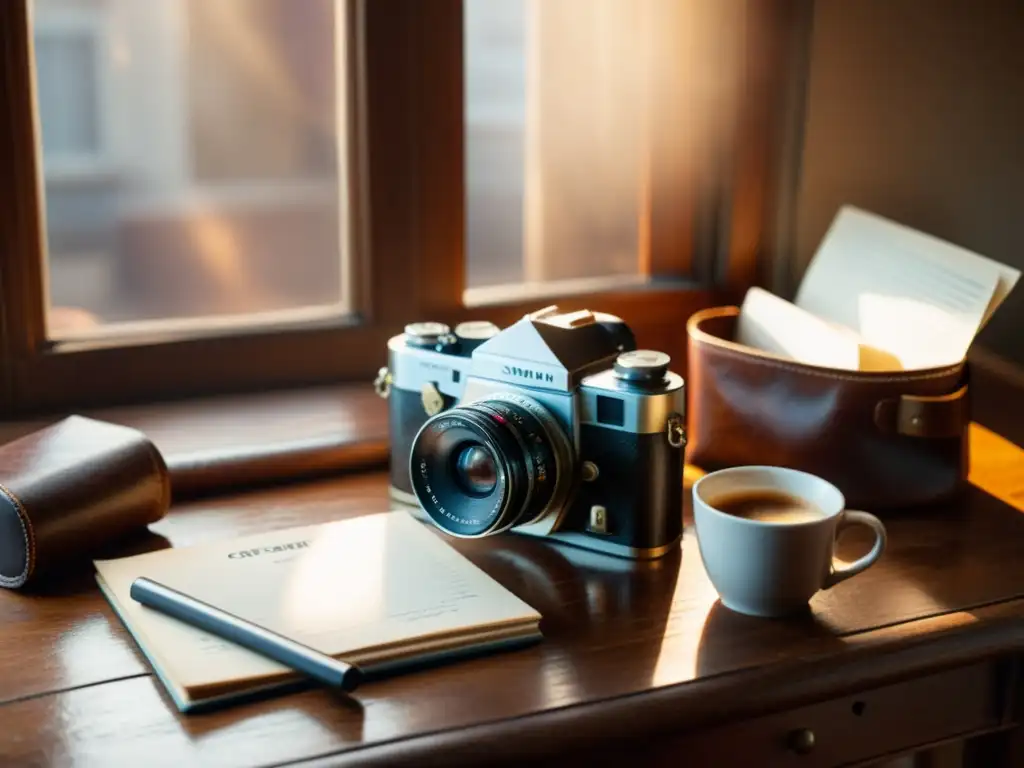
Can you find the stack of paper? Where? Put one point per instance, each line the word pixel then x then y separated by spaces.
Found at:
pixel 879 296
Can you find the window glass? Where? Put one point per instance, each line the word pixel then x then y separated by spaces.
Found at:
pixel 554 141
pixel 193 157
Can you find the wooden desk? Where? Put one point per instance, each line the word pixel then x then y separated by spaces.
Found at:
pixel 640 664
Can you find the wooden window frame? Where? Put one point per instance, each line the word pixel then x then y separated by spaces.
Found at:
pixel 407 220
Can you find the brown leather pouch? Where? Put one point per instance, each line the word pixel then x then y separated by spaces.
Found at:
pixel 71 489
pixel 884 439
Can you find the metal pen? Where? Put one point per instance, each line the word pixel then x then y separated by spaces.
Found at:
pixel 319 666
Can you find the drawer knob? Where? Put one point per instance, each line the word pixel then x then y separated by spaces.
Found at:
pixel 802 741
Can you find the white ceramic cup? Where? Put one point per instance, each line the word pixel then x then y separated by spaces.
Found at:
pixel 774 568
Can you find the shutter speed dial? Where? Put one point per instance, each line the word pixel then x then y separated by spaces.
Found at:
pixel 426 334
pixel 473 333
pixel 642 366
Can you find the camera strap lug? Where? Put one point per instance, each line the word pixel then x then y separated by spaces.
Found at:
pixel 382 384
pixel 676 431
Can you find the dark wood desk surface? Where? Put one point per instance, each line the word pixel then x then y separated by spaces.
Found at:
pixel 632 651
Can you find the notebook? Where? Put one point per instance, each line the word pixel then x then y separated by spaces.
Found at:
pixel 382 591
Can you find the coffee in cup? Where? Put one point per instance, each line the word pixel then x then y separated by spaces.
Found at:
pixel 767 537
pixel 768 506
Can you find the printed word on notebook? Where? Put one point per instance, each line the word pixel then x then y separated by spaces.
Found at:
pixel 913 295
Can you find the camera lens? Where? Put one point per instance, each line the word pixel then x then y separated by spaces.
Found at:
pixel 475 470
pixel 483 467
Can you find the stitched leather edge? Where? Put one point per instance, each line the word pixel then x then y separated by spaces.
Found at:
pixel 30 542
pixel 160 466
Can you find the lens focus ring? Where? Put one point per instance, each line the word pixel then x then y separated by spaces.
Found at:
pixel 538 455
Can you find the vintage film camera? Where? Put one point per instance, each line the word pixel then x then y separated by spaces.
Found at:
pixel 555 426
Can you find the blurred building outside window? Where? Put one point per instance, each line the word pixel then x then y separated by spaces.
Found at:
pixel 194 154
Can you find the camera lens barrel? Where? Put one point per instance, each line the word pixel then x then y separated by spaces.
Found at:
pixel 481 468
pixel 440 489
pixel 536 452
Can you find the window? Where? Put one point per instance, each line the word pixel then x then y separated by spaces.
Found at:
pixel 194 158
pixel 220 196
pixel 554 148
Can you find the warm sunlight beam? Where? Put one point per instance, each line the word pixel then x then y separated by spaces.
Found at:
pixel 997 466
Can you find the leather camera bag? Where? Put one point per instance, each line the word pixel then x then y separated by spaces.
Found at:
pixel 886 440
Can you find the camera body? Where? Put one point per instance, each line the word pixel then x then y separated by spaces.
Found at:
pixel 555 426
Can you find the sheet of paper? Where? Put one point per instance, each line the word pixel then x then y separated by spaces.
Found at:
pixel 771 324
pixel 340 587
pixel 914 295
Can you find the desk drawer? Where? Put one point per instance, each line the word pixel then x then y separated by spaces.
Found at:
pixel 853 728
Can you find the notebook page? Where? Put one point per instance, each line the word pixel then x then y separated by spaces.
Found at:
pixel 337 587
pixel 917 296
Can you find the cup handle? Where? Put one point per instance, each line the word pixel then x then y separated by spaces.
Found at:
pixel 853 517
